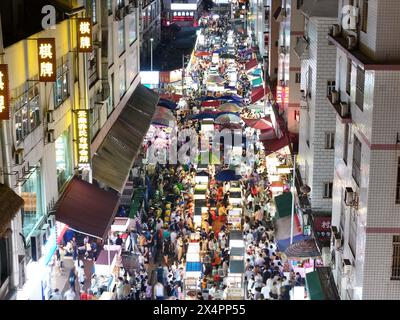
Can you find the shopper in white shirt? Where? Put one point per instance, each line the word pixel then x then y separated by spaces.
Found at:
pixel 69 294
pixel 265 291
pixel 56 295
pixel 159 291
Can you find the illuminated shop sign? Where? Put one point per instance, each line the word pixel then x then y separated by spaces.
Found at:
pixel 183 6
pixel 85 35
pixel 4 93
pixel 83 142
pixel 47 59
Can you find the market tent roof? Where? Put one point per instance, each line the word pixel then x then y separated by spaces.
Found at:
pixel 236 251
pixel 283 204
pixel 87 208
pixel 10 203
pixel 283 244
pixel 215 79
pixel 163 116
pixel 251 64
pixel 275 145
pixel 314 287
pixel 236 266
pixel 167 104
pixel 268 134
pixel 260 124
pixel 230 107
pixel 256 72
pixel 256 82
pixel 303 250
pixel 257 94
pixel 171 96
pixel 227 175
pixel 136 203
pixel 228 118
pixel 202 54
pixel 116 154
pixel 211 103
pixel 210 115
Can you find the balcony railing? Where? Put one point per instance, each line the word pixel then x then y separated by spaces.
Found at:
pixel 340 109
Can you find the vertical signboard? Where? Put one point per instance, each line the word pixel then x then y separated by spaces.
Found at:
pixel 83 141
pixel 4 93
pixel 47 59
pixel 85 35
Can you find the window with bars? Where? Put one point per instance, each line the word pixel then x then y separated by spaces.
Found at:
pixel 364 16
pixel 356 167
pixel 122 79
pixel 360 88
pixel 26 110
pixel 398 183
pixel 92 67
pixel 348 76
pixel 396 258
pixel 298 77
pixel 121 37
pixel 329 140
pixel 61 87
pixel 331 85
pixel 346 142
pixel 328 186
pixel 342 214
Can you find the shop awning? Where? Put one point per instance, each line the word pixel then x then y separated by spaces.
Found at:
pixel 172 96
pixel 87 208
pixel 304 249
pixel 256 82
pixel 115 156
pixel 283 204
pixel 259 124
pixel 10 203
pixel 164 117
pixel 275 145
pixel 211 103
pixel 251 64
pixel 314 287
pixel 136 203
pixel 257 94
pixel 236 266
pixel 227 175
pixel 167 104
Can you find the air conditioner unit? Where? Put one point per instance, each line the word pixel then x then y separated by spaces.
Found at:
pixel 50 136
pixel 336 238
pixel 51 220
pixel 334 97
pixel 50 116
pixel 36 245
pixel 46 232
pixel 335 30
pixel 349 196
pixel 347 267
pixel 344 109
pixel 303 95
pixel 19 156
pixel 351 42
pixel 356 12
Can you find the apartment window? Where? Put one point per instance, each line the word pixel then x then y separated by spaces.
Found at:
pixel 298 77
pixel 346 143
pixel 331 85
pixel 132 29
pixel 27 110
pixel 308 132
pixel 110 45
pixel 328 190
pixel 122 79
pixel 348 76
pixel 329 140
pixel 120 3
pixel 353 232
pixel 109 7
pixel 111 97
pixel 398 183
pixel 356 171
pixel 121 36
pixel 396 258
pixel 92 67
pixel 309 82
pixel 299 4
pixel 94 11
pixel 61 87
pixel 360 88
pixel 364 16
pixel 342 214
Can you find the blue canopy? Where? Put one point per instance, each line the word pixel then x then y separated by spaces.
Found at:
pixel 209 115
pixel 226 97
pixel 227 175
pixel 167 104
pixel 285 243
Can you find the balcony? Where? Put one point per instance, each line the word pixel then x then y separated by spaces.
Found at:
pixel 354 53
pixel 341 108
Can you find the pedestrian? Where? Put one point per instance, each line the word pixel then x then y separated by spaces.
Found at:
pixel 70 294
pixel 56 295
pixel 71 279
pixel 159 291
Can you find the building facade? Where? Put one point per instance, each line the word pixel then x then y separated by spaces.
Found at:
pixel 40 137
pixel 317 118
pixel 366 212
pixel 183 13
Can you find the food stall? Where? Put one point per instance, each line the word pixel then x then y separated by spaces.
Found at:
pixel 235 280
pixel 192 270
pixel 235 218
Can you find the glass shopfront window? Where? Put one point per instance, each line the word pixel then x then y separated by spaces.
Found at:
pixel 32 211
pixel 63 159
pixel 61 87
pixel 132 28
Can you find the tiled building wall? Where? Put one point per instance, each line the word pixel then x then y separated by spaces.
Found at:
pixel 322 116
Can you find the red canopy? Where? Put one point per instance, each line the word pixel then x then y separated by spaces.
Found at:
pixel 251 64
pixel 211 103
pixel 202 53
pixel 257 94
pixel 276 144
pixel 260 124
pixel 171 96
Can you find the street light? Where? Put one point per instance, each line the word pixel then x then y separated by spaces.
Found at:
pixel 151 54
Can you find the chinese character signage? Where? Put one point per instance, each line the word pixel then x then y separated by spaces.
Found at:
pixel 83 142
pixel 322 227
pixel 4 93
pixel 47 59
pixel 85 35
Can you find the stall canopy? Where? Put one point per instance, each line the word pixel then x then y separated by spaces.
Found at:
pixel 10 203
pixel 251 64
pixel 227 175
pixel 167 104
pixel 87 208
pixel 236 267
pixel 137 201
pixel 115 156
pixel 200 54
pixel 227 118
pixel 260 124
pixel 256 82
pixel 275 145
pixel 283 205
pixel 164 117
pixel 314 287
pixel 211 103
pixel 229 107
pixel 171 96
pixel 257 94
pixel 304 249
pixel 210 115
